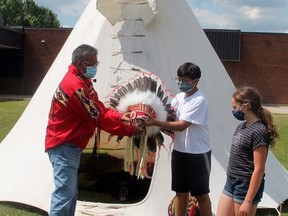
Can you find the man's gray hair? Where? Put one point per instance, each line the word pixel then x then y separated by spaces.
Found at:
pixel 82 52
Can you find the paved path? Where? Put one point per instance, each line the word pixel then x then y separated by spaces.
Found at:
pixel 274 108
pixel 15 97
pixel 277 109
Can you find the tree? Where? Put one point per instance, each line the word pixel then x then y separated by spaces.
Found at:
pixel 28 14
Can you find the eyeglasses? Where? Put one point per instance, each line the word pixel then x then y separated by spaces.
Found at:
pixel 180 80
pixel 92 63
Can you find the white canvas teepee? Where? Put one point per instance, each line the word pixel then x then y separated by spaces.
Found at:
pixel 157 36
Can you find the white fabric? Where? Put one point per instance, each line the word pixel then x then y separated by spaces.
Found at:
pixel 118 10
pixel 173 37
pixel 193 109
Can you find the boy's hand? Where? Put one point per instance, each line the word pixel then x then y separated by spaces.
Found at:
pixel 138 130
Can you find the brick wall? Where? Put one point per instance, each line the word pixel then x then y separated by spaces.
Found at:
pixel 263 65
pixel 41 48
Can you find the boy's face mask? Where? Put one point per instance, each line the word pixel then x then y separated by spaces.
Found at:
pixel 185 86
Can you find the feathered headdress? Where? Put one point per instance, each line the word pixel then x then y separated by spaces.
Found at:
pixel 144 97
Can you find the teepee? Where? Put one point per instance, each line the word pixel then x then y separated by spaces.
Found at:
pixel 155 36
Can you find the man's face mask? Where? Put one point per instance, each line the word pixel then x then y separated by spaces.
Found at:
pixel 90 72
pixel 91 69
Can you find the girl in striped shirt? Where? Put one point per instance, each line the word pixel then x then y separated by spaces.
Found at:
pixel 246 168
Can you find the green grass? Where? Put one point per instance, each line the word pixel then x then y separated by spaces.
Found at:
pixel 281 148
pixel 15 209
pixel 10 111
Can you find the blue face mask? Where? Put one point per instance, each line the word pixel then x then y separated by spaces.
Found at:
pixel 185 87
pixel 90 72
pixel 238 115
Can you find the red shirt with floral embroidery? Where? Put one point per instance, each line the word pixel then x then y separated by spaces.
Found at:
pixel 76 111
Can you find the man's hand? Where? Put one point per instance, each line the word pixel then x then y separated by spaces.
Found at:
pixel 126 117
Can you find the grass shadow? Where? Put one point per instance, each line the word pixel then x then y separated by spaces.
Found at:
pixel 14 208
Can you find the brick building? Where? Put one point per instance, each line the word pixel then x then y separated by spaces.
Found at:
pixel 263 64
pixel 32 50
pixel 255 59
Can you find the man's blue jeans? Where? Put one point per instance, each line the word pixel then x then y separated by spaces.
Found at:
pixel 65 160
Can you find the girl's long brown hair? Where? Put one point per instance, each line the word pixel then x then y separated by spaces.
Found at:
pixel 251 96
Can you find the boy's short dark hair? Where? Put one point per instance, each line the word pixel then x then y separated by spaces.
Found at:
pixel 190 70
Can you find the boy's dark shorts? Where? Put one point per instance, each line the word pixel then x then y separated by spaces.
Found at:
pixel 191 172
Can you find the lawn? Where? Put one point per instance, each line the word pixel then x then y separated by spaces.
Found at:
pixel 10 111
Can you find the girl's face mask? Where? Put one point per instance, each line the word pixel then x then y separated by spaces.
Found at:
pixel 238 114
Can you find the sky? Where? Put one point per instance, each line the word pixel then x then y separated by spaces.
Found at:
pixel 244 15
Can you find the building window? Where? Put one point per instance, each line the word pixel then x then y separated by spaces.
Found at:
pixel 11 63
pixel 226 43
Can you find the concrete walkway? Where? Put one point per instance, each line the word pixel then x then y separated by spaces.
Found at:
pixel 15 97
pixel 277 109
pixel 273 108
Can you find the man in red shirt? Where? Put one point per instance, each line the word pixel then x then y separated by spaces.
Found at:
pixel 74 114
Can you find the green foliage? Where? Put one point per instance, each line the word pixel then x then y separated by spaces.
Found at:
pixel 26 13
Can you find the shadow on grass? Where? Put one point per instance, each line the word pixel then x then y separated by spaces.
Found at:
pixel 273 212
pixel 14 208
